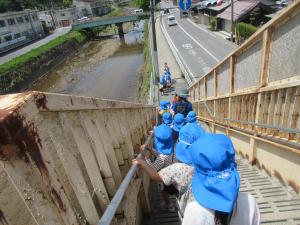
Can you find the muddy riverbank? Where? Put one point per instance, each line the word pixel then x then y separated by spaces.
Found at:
pixel 104 69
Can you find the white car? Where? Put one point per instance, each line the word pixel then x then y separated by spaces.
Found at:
pixel 138 11
pixel 82 19
pixel 172 21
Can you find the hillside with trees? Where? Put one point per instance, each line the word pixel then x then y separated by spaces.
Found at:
pixel 18 5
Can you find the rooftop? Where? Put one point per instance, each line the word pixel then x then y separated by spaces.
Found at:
pixel 241 8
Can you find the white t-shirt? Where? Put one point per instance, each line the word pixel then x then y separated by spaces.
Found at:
pixel 246 212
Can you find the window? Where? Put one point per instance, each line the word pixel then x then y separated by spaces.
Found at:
pixel 20 20
pixel 17 35
pixel 26 18
pixel 62 14
pixel 2 23
pixel 25 33
pixel 11 21
pixel 8 38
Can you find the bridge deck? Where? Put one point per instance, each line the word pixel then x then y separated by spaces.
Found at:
pixel 278 205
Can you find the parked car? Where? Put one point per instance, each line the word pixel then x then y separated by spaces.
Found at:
pixel 172 21
pixel 138 11
pixel 82 19
pixel 213 2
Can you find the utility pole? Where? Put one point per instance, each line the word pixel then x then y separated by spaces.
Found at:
pixel 154 39
pixel 156 72
pixel 232 22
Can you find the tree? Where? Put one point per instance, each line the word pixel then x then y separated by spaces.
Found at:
pixel 67 3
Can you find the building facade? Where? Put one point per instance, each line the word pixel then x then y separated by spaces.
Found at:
pixel 65 17
pixel 17 28
pixel 91 8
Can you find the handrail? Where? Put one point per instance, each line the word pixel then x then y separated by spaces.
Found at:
pixel 295 131
pixel 110 211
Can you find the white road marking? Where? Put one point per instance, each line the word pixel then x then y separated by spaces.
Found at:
pixel 166 32
pixel 189 20
pixel 201 46
pixel 187 46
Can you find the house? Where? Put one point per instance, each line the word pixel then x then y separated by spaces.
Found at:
pixel 205 12
pixel 91 8
pixel 242 9
pixel 47 18
pixel 17 28
pixel 65 17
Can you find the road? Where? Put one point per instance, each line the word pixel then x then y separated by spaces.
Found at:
pixel 200 48
pixel 58 32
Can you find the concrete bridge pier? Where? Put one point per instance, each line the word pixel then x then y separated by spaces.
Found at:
pixel 120 30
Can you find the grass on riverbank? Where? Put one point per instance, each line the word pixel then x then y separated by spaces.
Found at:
pixel 21 60
pixel 145 72
pixel 116 11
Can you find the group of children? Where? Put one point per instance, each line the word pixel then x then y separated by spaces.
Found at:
pixel 200 169
pixel 165 79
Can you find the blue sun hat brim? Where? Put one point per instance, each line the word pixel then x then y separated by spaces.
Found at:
pixel 212 189
pixel 167 118
pixel 191 117
pixel 188 134
pixel 216 178
pixel 178 122
pixel 163 140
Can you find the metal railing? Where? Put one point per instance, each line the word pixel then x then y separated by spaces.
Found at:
pixel 109 213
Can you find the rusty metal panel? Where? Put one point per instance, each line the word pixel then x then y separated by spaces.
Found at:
pixel 54 155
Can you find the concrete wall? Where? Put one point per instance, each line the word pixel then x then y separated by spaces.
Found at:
pixel 62 158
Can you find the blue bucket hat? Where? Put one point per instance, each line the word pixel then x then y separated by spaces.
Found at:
pixel 167 118
pixel 163 140
pixel 188 134
pixel 164 104
pixel 191 117
pixel 216 181
pixel 178 122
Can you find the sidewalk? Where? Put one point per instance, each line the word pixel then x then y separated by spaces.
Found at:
pixel 58 32
pixel 165 55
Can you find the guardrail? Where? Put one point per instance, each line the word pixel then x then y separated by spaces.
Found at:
pixel 184 69
pixel 109 213
pixel 253 95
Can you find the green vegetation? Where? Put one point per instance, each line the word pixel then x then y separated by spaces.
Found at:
pixel 245 30
pixel 145 73
pixel 213 23
pixel 21 60
pixel 144 4
pixel 19 5
pixel 116 11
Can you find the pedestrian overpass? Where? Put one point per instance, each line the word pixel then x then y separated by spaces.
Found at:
pixel 67 159
pixel 108 21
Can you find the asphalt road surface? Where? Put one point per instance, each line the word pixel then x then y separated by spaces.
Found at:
pixel 200 49
pixel 58 32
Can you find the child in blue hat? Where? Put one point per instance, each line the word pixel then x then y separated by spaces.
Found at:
pixel 163 143
pixel 178 123
pixel 181 172
pixel 164 106
pixel 215 186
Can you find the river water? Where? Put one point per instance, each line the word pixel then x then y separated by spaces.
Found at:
pixel 105 69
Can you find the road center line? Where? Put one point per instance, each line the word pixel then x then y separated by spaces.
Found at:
pixel 201 46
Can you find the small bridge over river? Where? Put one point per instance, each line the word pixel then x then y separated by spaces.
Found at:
pixel 118 21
